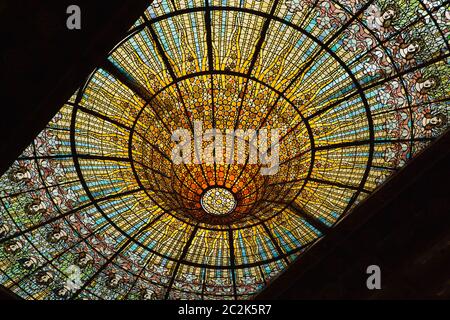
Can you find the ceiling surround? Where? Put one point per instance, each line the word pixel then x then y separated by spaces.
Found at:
pixel 96 208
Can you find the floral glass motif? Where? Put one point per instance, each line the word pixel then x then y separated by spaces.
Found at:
pixel 95 209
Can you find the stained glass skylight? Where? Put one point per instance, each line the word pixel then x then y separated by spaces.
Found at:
pixel 96 208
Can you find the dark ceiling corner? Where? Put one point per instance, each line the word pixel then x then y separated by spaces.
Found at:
pixel 404 228
pixel 43 62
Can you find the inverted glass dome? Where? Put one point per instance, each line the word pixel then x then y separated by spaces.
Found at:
pixel 97 208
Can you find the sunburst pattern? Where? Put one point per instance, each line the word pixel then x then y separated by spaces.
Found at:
pixel 95 208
